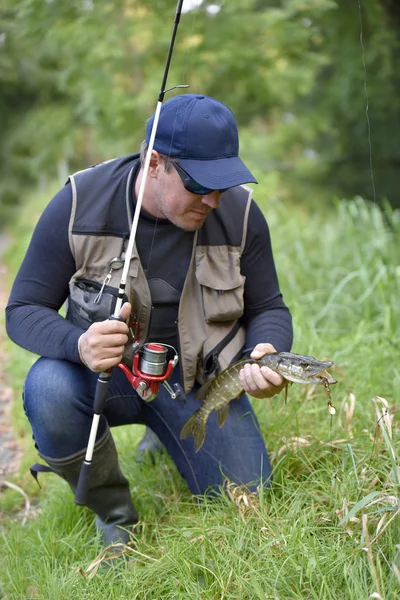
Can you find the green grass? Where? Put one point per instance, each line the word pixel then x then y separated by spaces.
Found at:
pixel 329 527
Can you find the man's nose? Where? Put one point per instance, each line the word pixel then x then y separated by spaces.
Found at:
pixel 212 199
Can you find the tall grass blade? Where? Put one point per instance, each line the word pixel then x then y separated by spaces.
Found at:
pixel 358 506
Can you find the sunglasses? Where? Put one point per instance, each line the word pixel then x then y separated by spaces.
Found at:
pixel 191 185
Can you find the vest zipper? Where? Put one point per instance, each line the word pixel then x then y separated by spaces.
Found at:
pixel 94 286
pixel 213 355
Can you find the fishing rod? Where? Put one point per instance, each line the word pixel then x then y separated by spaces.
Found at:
pixel 152 369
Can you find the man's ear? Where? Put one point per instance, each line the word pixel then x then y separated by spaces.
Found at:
pixel 155 164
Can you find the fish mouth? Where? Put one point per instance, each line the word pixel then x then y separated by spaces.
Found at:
pixel 318 368
pixel 327 376
pixel 319 375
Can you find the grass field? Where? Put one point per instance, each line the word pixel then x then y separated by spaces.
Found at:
pixel 329 528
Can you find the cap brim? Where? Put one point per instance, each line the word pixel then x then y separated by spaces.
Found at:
pixel 218 174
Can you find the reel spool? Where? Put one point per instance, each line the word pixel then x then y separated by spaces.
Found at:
pixel 150 370
pixel 153 360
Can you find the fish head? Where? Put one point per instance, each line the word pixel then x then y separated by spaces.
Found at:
pixel 301 369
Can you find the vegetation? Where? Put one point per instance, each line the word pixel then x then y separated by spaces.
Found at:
pixel 315 86
pixel 329 526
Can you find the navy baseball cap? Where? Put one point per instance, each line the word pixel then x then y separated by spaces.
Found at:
pixel 201 134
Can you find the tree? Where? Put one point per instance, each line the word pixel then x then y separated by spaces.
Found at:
pixel 79 79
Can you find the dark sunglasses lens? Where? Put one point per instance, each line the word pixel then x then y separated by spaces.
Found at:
pixel 190 184
pixel 196 188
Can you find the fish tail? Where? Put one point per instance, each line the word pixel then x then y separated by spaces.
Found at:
pixel 196 426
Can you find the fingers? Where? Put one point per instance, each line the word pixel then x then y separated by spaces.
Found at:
pixel 125 310
pixel 260 382
pixel 261 349
pixel 100 351
pixel 101 347
pixel 108 325
pixel 107 360
pixel 256 378
pixel 272 377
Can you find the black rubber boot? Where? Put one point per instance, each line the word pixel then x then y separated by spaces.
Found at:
pixel 109 496
pixel 149 445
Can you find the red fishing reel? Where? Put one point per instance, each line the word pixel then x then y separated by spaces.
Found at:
pixel 150 369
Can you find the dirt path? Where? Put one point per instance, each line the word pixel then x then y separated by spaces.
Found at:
pixel 10 451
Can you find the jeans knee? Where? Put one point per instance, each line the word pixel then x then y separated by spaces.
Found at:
pixel 57 398
pixel 45 389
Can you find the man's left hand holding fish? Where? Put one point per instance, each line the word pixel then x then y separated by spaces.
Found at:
pixel 260 381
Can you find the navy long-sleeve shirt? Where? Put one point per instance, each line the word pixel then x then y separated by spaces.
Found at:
pixel 41 286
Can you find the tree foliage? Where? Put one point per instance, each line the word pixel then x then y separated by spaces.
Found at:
pixel 313 83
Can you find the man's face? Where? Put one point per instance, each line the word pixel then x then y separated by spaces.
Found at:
pixel 184 209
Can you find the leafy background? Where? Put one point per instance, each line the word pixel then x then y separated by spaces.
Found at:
pixel 314 85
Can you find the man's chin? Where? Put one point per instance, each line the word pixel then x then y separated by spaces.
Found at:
pixel 191 228
pixel 189 224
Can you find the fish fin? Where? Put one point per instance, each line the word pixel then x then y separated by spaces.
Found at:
pixel 203 390
pixel 196 426
pixel 188 427
pixel 199 435
pixel 222 414
pixel 286 390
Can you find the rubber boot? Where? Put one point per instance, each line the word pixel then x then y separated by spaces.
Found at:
pixel 108 495
pixel 149 445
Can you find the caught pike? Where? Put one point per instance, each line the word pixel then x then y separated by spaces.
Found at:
pixel 221 390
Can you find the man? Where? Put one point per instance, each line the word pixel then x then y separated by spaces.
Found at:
pixel 202 279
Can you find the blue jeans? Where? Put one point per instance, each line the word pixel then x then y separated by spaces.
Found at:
pixel 58 401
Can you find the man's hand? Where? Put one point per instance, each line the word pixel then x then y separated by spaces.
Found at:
pixel 101 347
pixel 261 382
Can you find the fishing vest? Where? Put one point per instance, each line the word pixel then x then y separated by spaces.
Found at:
pixel 210 333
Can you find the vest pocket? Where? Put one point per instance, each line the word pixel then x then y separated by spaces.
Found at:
pixel 222 284
pixel 82 308
pixel 222 304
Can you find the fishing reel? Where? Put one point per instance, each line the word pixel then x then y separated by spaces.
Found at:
pixel 150 369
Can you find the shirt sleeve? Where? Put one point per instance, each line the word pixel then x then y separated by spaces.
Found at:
pixel 41 287
pixel 266 316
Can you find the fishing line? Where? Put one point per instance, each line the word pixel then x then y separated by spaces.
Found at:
pixel 185 66
pixel 185 69
pixel 366 96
